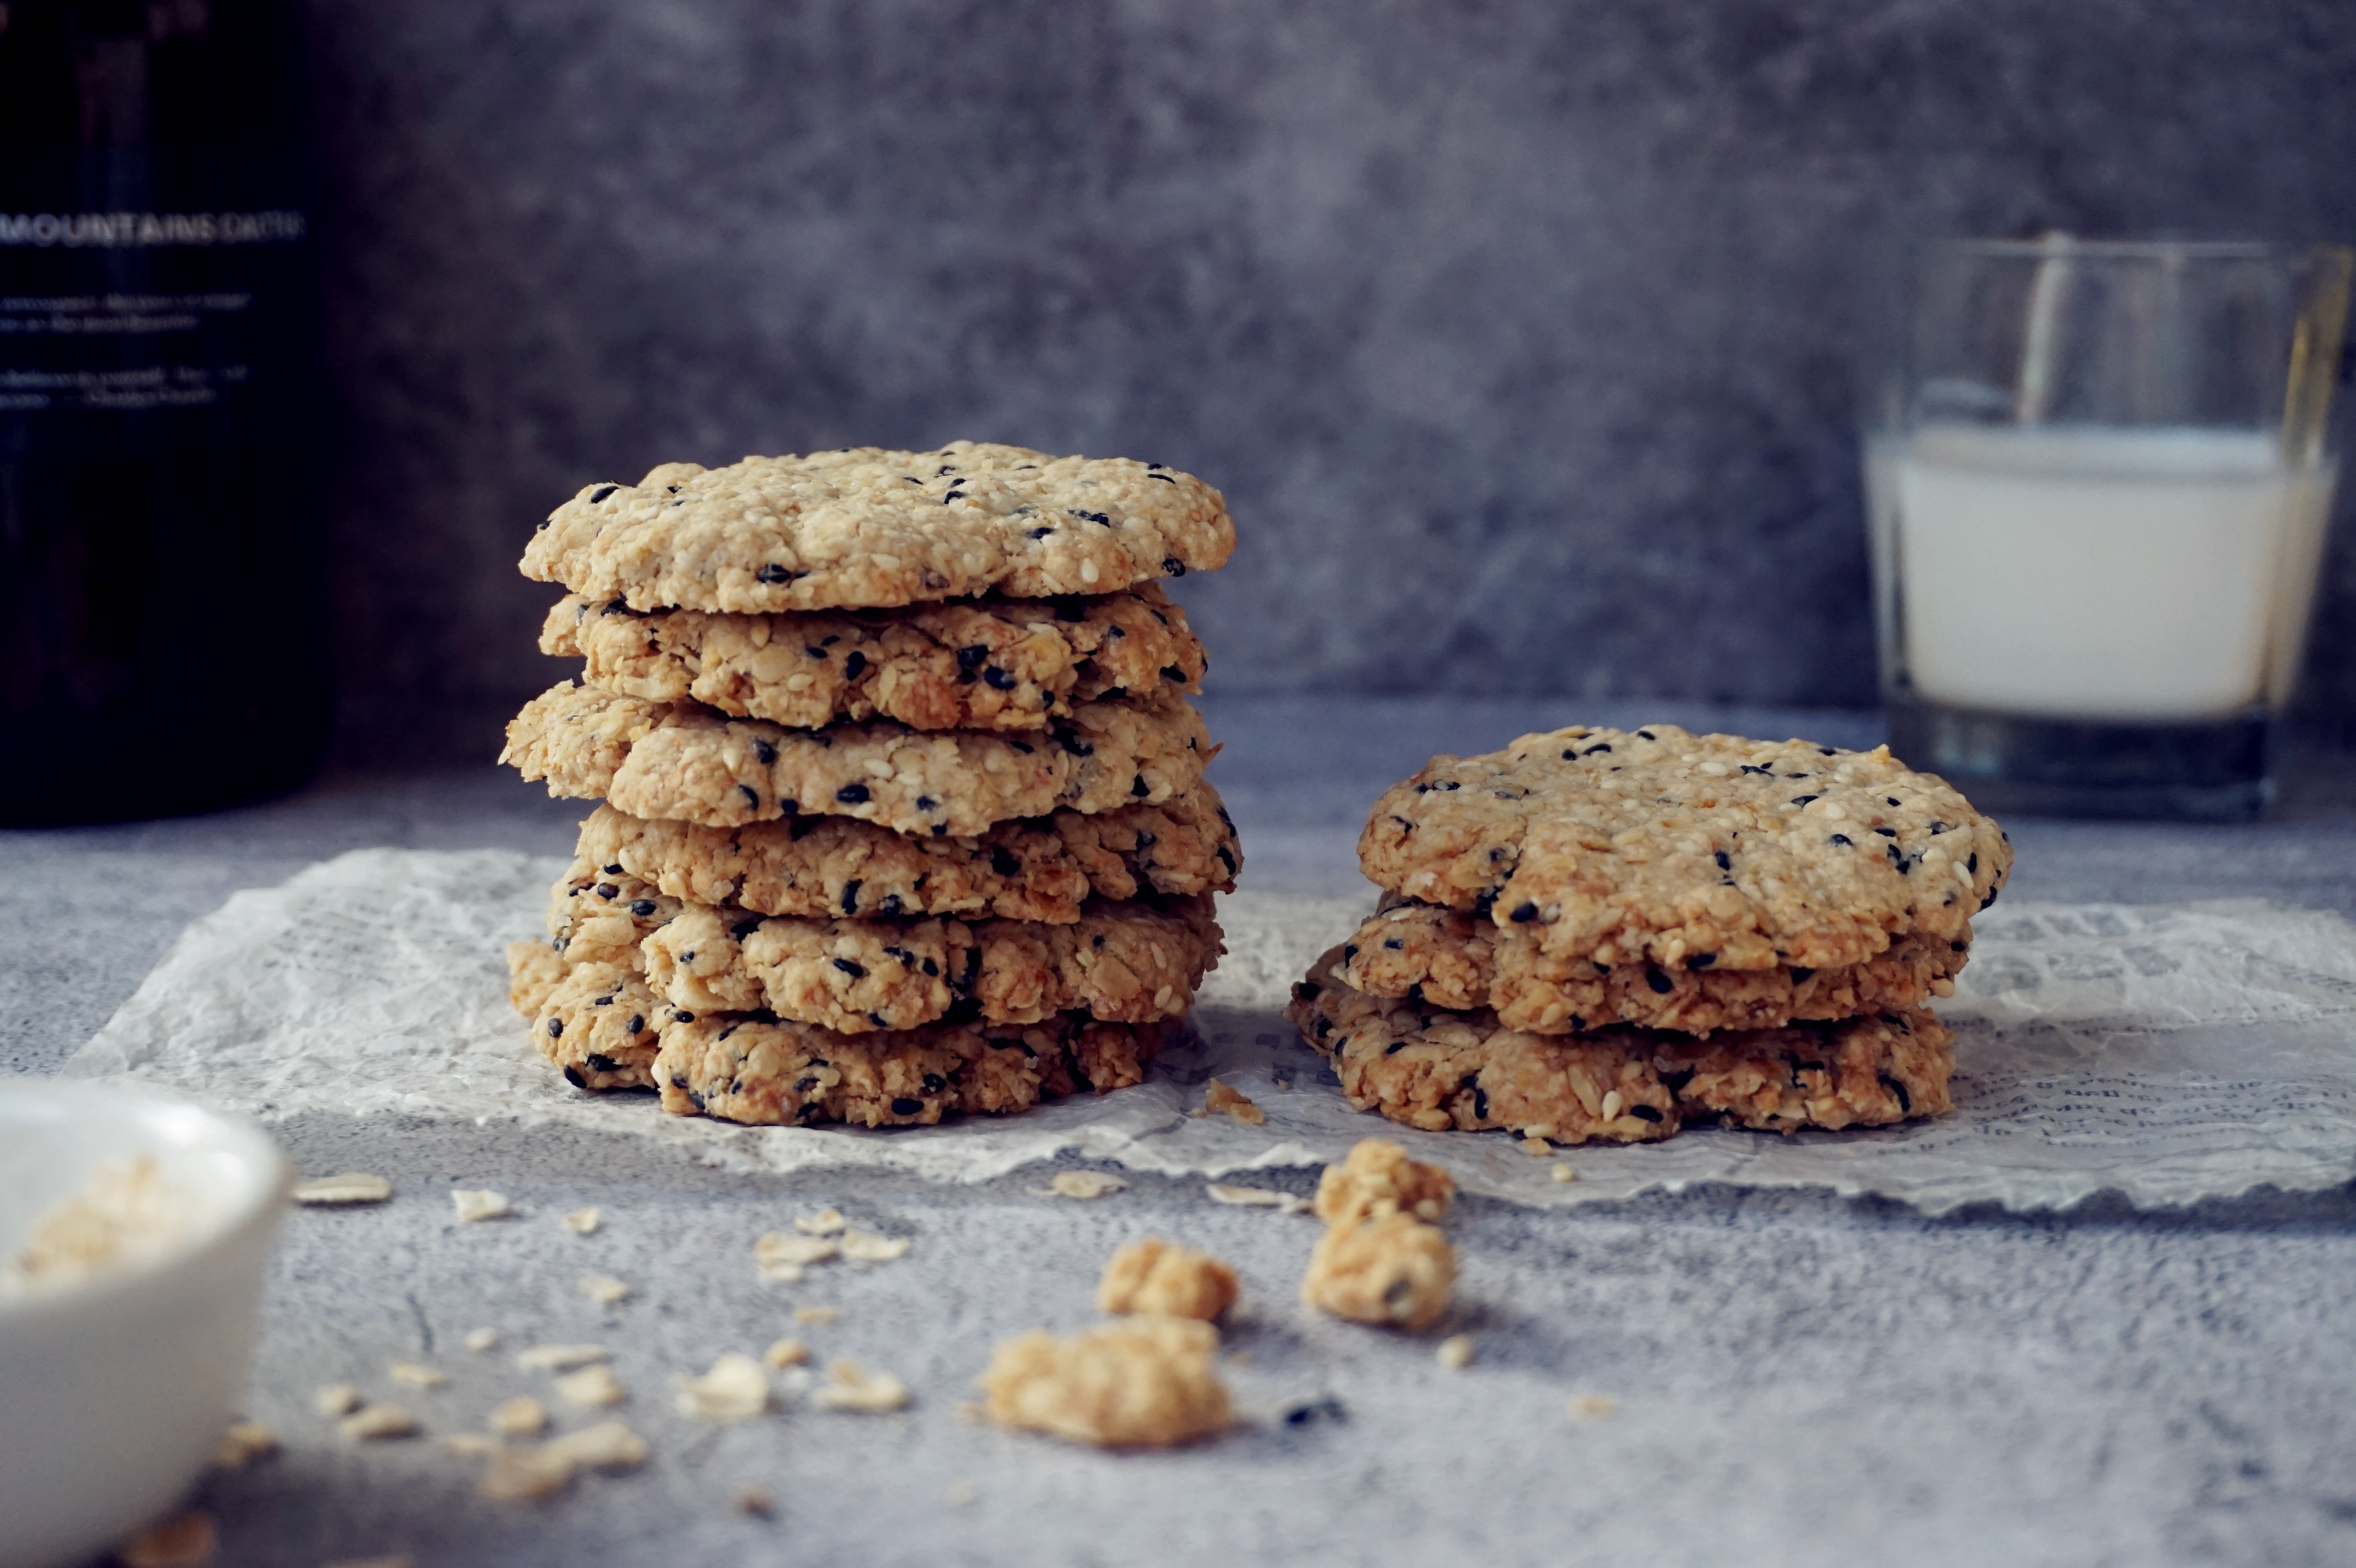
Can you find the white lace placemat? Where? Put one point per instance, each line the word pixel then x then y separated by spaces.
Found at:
pixel 2169 1052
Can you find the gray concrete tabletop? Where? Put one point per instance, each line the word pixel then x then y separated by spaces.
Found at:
pixel 1767 1377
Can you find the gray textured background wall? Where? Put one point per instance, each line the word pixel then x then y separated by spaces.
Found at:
pixel 1518 333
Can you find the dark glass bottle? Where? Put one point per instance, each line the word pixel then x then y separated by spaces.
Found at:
pixel 162 645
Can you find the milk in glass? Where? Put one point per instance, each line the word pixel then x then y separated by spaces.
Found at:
pixel 2136 575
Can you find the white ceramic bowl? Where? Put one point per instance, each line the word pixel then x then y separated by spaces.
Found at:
pixel 113 1392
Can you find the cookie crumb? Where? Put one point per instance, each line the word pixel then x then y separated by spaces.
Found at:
pixel 1084 1184
pixel 825 1222
pixel 960 1493
pixel 1564 1174
pixel 1151 1275
pixel 1378 1177
pixel 604 1288
pixel 1255 1198
pixel 477 1203
pixel 584 1221
pixel 1535 1145
pixel 561 1358
pixel 758 1501
pixel 522 1416
pixel 1455 1352
pixel 786 1353
pixel 735 1389
pixel 1219 1097
pixel 781 1258
pixel 1393 1269
pixel 1141 1382
pixel 335 1399
pixel 373 1423
pixel 855 1387
pixel 590 1388
pixel 481 1340
pixel 187 1542
pixel 242 1442
pixel 352 1187
pixel 818 1314
pixel 1591 1406
pixel 414 1374
pixel 862 1246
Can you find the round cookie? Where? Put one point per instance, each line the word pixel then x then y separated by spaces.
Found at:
pixel 869 528
pixel 1420 953
pixel 679 761
pixel 1690 851
pixel 599 1023
pixel 987 664
pixel 1035 868
pixel 1123 963
pixel 1434 1068
pixel 749 1069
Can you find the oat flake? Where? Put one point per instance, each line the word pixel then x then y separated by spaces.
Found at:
pixel 479 1203
pixel 352 1187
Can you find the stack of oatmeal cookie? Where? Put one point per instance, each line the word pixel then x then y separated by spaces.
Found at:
pixel 1599 934
pixel 904 810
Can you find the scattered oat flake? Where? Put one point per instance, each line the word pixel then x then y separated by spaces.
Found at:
pixel 786 1353
pixel 856 1388
pixel 471 1444
pixel 475 1203
pixel 183 1543
pixel 604 1288
pixel 782 1257
pixel 1564 1174
pixel 962 1492
pixel 1255 1198
pixel 818 1314
pixel 336 1399
pixel 758 1501
pixel 561 1358
pixel 242 1442
pixel 522 1416
pixel 1537 1147
pixel 373 1422
pixel 483 1339
pixel 862 1246
pixel 352 1187
pixel 825 1222
pixel 1591 1406
pixel 1084 1184
pixel 1219 1097
pixel 583 1222
pixel 609 1446
pixel 525 1475
pixel 735 1389
pixel 590 1388
pixel 414 1374
pixel 1455 1352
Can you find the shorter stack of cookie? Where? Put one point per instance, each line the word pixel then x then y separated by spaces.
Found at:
pixel 903 813
pixel 1607 934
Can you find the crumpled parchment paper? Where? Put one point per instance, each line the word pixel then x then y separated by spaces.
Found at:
pixel 2169 1052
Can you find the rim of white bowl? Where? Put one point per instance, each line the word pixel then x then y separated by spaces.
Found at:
pixel 261 1204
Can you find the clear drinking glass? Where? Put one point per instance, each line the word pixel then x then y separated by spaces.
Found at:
pixel 2098 479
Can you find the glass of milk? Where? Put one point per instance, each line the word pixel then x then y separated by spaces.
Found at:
pixel 2098 480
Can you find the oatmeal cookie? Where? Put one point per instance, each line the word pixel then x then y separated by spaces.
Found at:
pixel 1142 1383
pixel 680 761
pixel 1425 953
pixel 985 664
pixel 751 1068
pixel 1434 1068
pixel 869 528
pixel 602 1026
pixel 1690 851
pixel 1028 868
pixel 1124 962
